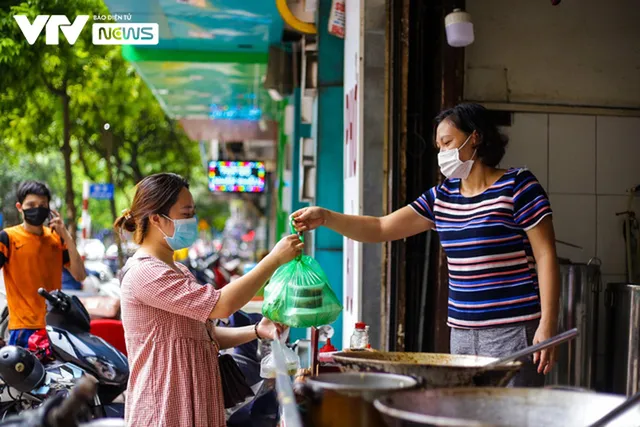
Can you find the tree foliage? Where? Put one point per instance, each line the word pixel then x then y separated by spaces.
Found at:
pixel 54 104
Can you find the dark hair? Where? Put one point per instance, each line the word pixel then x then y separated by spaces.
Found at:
pixel 35 188
pixel 154 195
pixel 474 117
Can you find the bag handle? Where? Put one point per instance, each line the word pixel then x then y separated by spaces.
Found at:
pixel 292 230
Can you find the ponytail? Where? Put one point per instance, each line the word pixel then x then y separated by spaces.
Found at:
pixel 126 222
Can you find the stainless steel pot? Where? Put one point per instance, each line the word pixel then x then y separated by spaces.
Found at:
pixel 368 385
pixel 346 399
pixel 622 363
pixel 432 369
pixel 579 307
pixel 498 407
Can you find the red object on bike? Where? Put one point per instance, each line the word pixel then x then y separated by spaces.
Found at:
pixel 40 345
pixel 249 236
pixel 111 331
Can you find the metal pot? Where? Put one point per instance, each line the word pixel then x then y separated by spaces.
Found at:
pixel 368 386
pixel 346 399
pixel 432 369
pixel 498 407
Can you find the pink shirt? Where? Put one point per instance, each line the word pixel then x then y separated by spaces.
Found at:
pixel 175 379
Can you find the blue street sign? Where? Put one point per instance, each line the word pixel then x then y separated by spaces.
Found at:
pixel 101 191
pixel 1 220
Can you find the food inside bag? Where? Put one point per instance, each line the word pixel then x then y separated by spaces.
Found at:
pixel 299 295
pixel 268 364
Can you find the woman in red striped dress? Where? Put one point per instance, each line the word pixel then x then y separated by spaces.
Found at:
pixel 167 315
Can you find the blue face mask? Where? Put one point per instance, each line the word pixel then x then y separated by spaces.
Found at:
pixel 185 233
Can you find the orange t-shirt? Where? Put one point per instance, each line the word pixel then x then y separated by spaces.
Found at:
pixel 30 262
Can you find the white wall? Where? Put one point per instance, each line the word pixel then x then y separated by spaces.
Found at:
pixel 586 164
pixel 582 52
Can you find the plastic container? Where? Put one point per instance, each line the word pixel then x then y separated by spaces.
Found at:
pixel 360 337
pixel 325 355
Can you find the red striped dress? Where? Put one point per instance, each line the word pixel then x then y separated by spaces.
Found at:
pixel 175 379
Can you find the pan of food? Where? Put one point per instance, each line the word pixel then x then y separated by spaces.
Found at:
pixel 435 370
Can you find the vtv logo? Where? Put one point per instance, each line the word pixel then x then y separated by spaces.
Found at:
pixel 53 23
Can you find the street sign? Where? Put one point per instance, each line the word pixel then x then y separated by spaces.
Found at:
pixel 101 191
pixel 1 220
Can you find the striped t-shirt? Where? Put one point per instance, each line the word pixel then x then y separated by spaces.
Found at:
pixel 492 276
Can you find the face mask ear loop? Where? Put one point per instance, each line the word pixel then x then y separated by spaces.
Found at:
pixel 465 143
pixel 174 228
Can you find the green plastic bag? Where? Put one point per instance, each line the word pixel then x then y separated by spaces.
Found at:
pixel 299 295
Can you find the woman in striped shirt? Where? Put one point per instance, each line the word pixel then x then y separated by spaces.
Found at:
pixel 495 226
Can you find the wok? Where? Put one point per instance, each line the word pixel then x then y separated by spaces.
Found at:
pixel 498 407
pixel 432 369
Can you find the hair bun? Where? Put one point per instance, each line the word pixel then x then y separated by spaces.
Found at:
pixel 126 222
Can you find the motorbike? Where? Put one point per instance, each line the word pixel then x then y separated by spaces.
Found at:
pixel 27 383
pixel 68 330
pixel 213 269
pixel 64 410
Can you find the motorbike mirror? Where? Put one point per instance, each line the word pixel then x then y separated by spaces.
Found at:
pixel 326 332
pixel 46 295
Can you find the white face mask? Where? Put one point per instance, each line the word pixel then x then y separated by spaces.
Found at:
pixel 450 164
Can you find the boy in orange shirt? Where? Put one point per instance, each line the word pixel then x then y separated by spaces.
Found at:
pixel 32 256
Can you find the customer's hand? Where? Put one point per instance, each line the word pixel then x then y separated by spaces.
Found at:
pixel 57 225
pixel 545 359
pixel 307 219
pixel 287 249
pixel 268 330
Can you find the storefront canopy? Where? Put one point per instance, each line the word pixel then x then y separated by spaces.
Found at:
pixel 211 58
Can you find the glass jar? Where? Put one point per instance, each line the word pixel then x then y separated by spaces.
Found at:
pixel 360 337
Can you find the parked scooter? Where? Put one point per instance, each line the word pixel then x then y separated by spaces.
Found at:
pixel 214 270
pixel 27 383
pixel 68 326
pixel 64 411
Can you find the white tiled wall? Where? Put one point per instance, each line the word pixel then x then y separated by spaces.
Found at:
pixel 586 164
pixel 618 145
pixel 528 145
pixel 572 154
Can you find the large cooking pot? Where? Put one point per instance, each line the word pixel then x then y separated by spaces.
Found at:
pixel 346 399
pixel 369 385
pixel 502 407
pixel 432 369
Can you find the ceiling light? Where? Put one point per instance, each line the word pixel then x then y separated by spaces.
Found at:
pixel 459 28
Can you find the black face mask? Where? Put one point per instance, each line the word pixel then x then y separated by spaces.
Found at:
pixel 36 216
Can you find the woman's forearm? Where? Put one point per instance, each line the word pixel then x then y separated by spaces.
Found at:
pixel 365 229
pixel 237 293
pixel 232 337
pixel 549 283
pixel 403 223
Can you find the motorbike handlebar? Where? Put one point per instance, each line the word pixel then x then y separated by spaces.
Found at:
pixel 46 295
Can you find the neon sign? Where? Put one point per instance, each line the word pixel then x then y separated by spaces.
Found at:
pixel 225 112
pixel 236 177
